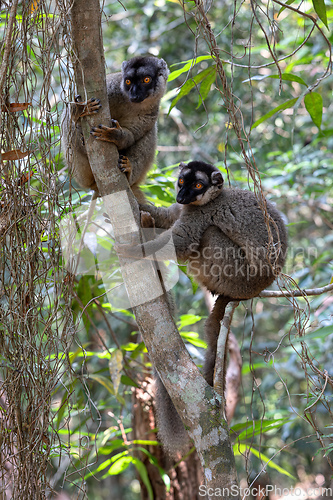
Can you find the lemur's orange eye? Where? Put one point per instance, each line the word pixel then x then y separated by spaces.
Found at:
pixel 181 181
pixel 147 79
pixel 198 185
pixel 128 81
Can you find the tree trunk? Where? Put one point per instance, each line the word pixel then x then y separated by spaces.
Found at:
pixel 196 402
pixel 185 477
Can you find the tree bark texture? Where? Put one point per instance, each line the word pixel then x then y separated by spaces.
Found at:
pixel 186 477
pixel 197 403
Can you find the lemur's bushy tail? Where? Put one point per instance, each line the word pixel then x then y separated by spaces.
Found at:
pixel 171 430
pixel 212 330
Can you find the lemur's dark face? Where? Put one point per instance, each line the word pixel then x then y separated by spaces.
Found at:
pixel 140 77
pixel 198 183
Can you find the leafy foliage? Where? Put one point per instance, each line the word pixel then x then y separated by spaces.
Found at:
pixel 287 112
pixel 278 109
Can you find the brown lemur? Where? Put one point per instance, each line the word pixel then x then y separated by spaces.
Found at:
pixel 134 96
pixel 223 235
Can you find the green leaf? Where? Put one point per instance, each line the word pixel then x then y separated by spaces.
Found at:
pixel 120 465
pixel 314 106
pixel 321 333
pixel 86 296
pixel 320 8
pixel 242 449
pixel 270 463
pixel 101 467
pixel 193 283
pixel 154 461
pixel 115 368
pixel 192 338
pixel 285 105
pixel 147 442
pixel 105 382
pixel 242 426
pixel 128 381
pixel 187 66
pixel 188 86
pixel 206 85
pixel 130 347
pixel 64 403
pixel 288 77
pixel 80 351
pixel 107 449
pixel 289 2
pixel 261 426
pixel 107 462
pixel 247 368
pixel 188 319
pixel 142 470
pixel 138 350
pixel 183 91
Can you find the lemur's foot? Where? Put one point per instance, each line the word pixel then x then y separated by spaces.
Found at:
pixel 115 124
pixel 147 220
pixel 90 107
pixel 108 134
pixel 124 165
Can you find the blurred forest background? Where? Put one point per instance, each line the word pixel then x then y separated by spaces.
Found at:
pixel 88 339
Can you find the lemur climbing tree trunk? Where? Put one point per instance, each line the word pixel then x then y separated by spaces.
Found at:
pixel 196 402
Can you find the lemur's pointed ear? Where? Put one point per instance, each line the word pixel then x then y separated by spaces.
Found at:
pixel 217 179
pixel 124 65
pixel 182 165
pixel 162 66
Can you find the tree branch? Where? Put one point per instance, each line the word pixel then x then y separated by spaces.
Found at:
pixel 296 293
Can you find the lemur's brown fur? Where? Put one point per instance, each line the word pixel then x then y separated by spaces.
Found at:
pixel 134 96
pixel 222 234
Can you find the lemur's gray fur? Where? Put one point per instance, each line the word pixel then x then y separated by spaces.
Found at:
pixel 134 96
pixel 223 235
